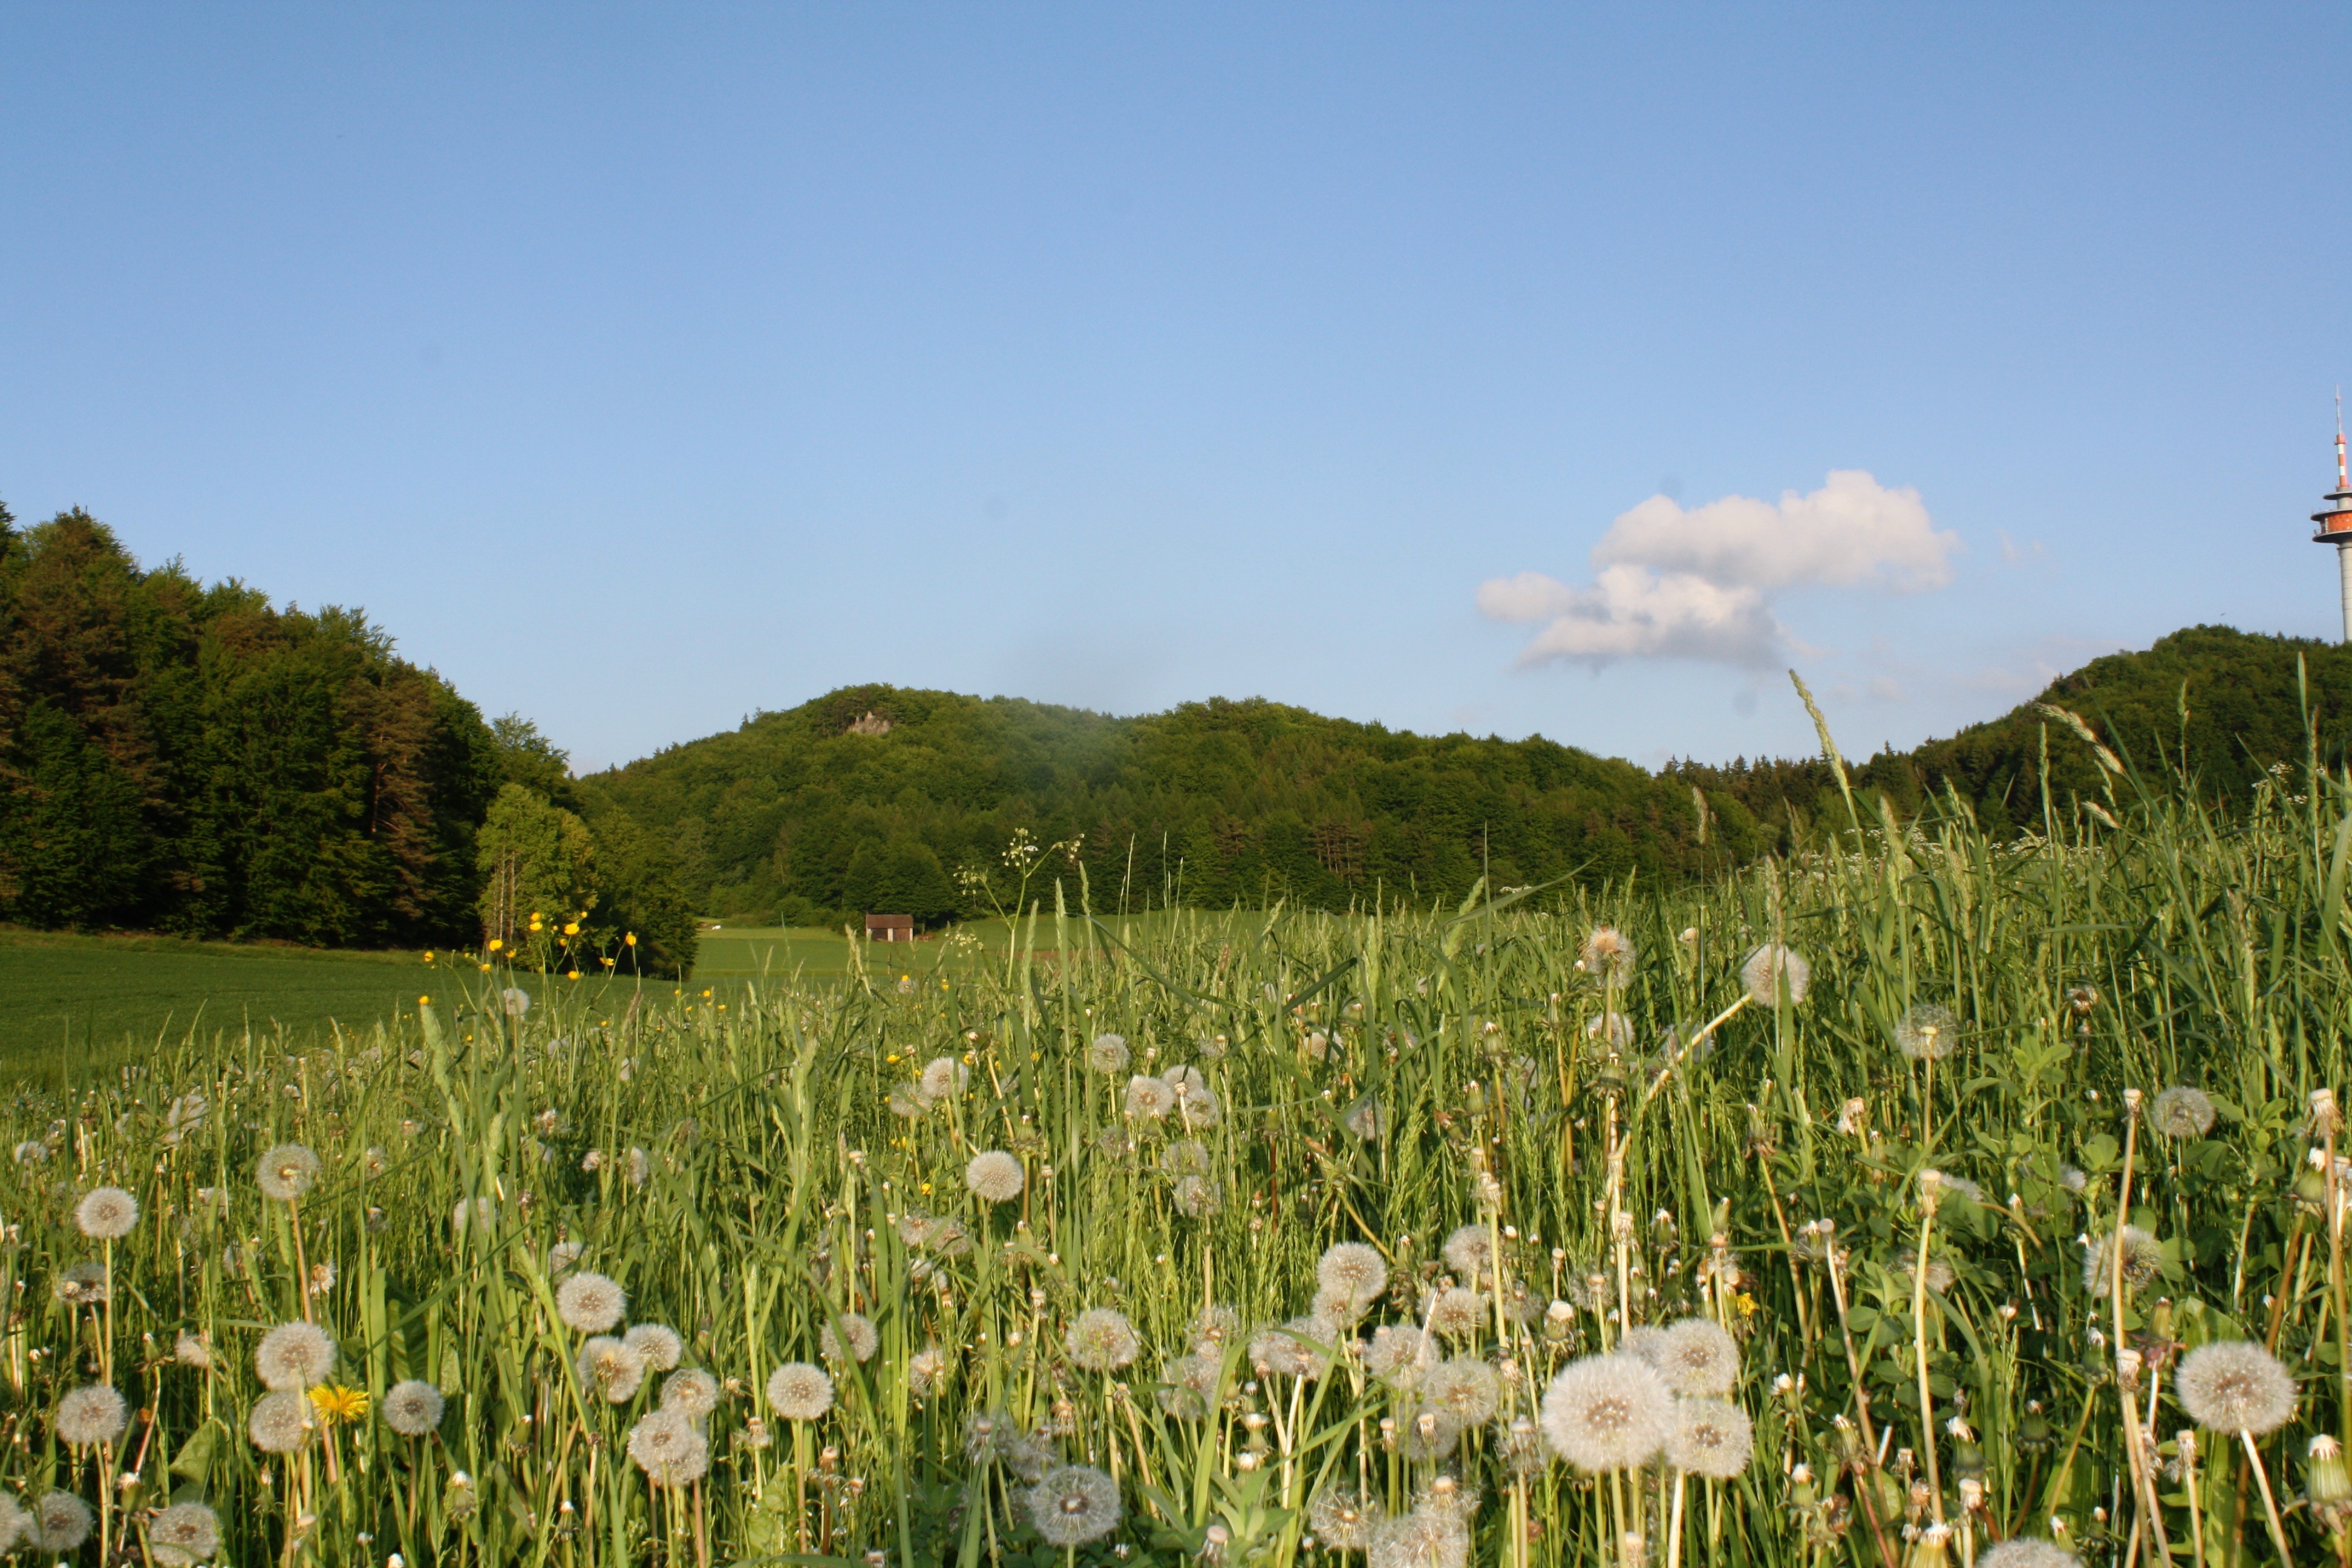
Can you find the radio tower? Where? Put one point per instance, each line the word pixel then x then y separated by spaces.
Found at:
pixel 2335 523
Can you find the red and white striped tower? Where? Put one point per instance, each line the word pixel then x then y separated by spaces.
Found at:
pixel 2335 523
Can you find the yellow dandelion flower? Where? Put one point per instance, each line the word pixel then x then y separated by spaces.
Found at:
pixel 571 928
pixel 486 969
pixel 892 1058
pixel 425 1000
pixel 335 1403
pixel 428 955
pixel 497 942
pixel 1745 1302
pixel 605 962
pixel 631 939
pixel 571 974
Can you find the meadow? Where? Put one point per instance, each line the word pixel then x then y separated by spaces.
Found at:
pixel 1772 1219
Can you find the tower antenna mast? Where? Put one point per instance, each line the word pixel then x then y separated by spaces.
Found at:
pixel 2335 521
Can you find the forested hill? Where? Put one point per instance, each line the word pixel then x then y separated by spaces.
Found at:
pixel 873 797
pixel 2209 707
pixel 184 757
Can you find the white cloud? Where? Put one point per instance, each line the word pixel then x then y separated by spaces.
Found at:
pixel 1629 612
pixel 1694 583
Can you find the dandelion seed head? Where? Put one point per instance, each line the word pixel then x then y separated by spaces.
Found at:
pixel 514 1000
pixel 1102 1340
pixel 413 1408
pixel 1188 1383
pixel 1148 1098
pixel 2182 1112
pixel 943 1079
pixel 1608 955
pixel 192 1348
pixel 1927 1033
pixel 2143 1260
pixel 285 1172
pixel 1215 1327
pixel 855 1328
pixel 282 1422
pixel 668 1449
pixel 1462 1387
pixel 1108 1053
pixel 1343 1519
pixel 1073 1504
pixel 589 1302
pixel 994 1177
pixel 1354 1269
pixel 1459 1314
pixel 2026 1552
pixel 1432 1436
pixel 658 1345
pixel 2235 1386
pixel 1696 1357
pixel 1469 1251
pixel 927 1370
pixel 294 1356
pixel 106 1214
pixel 1286 1349
pixel 693 1392
pixel 1400 1355
pixel 60 1523
pixel 799 1392
pixel 91 1414
pixel 1711 1437
pixel 1196 1197
pixel 612 1367
pixel 83 1285
pixel 183 1534
pixel 1768 968
pixel 1607 1413
pixel 1418 1541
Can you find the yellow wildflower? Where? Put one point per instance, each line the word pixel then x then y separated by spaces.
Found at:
pixel 335 1403
pixel 497 942
pixel 571 928
pixel 425 1000
pixel 631 939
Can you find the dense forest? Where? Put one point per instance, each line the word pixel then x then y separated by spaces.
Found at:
pixel 184 757
pixel 877 798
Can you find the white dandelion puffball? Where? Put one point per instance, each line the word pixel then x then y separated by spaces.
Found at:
pixel 658 1345
pixel 1470 1251
pixel 106 1214
pixel 281 1422
pixel 2143 1260
pixel 1459 1314
pixel 1343 1519
pixel 799 1392
pixel 286 1172
pixel 943 1079
pixel 612 1368
pixel 859 1330
pixel 1400 1355
pixel 1607 1412
pixel 16 1526
pixel 193 1348
pixel 1150 1099
pixel 91 1414
pixel 994 1177
pixel 2182 1112
pixel 1074 1505
pixel 665 1446
pixel 60 1523
pixel 294 1356
pixel 2235 1386
pixel 413 1408
pixel 692 1393
pixel 1464 1387
pixel 1108 1053
pixel 515 1000
pixel 1187 1385
pixel 1711 1437
pixel 183 1534
pixel 1697 1357
pixel 1768 968
pixel 1102 1340
pixel 1419 1540
pixel 2026 1552
pixel 1353 1269
pixel 1608 955
pixel 927 1370
pixel 1298 1348
pixel 589 1303
pixel 1927 1033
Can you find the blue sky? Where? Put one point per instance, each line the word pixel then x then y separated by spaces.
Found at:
pixel 641 368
